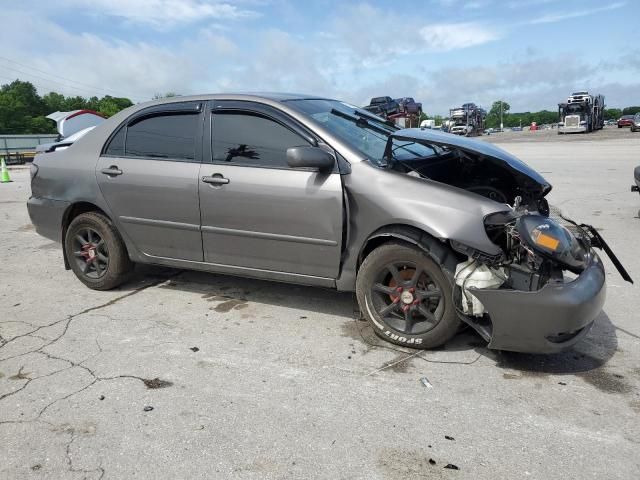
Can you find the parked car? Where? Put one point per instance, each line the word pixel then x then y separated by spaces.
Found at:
pixel 635 124
pixel 636 177
pixel 313 191
pixel 409 105
pixel 383 106
pixel 625 121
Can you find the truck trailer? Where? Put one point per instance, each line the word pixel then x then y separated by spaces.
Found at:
pixel 581 113
pixel 467 120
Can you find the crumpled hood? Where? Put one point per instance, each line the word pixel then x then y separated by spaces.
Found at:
pixel 529 178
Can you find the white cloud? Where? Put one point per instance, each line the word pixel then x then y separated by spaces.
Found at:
pixel 163 13
pixel 451 36
pixel 345 59
pixel 466 5
pixel 558 17
pixel 132 69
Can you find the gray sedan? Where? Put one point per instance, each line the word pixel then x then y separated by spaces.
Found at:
pixel 430 230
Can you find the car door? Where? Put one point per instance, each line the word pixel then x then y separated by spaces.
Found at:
pixel 148 174
pixel 257 212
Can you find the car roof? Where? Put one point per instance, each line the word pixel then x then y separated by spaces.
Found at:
pixel 247 96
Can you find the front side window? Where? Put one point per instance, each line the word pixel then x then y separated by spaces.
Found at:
pixel 170 136
pixel 246 138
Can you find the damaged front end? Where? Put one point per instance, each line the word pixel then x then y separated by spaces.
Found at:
pixel 543 294
pixel 534 283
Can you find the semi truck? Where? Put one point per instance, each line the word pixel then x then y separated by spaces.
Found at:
pixel 467 120
pixel 582 112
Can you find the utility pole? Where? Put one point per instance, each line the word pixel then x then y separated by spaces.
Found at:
pixel 501 124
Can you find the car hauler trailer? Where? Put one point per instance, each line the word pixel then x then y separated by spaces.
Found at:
pixel 467 120
pixel 582 112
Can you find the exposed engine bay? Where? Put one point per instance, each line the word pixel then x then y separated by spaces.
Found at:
pixel 463 170
pixel 537 250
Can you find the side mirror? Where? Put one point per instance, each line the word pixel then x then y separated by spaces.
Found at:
pixel 310 157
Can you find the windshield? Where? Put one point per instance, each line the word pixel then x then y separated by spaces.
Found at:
pixel 365 132
pixel 573 109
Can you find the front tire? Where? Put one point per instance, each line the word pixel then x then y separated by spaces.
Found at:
pixel 96 252
pixel 407 297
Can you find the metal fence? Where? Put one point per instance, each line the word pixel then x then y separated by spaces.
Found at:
pixel 23 143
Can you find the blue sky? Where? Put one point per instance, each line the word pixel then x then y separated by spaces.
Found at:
pixel 531 53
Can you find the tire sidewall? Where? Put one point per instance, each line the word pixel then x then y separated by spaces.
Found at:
pixel 119 264
pixel 449 322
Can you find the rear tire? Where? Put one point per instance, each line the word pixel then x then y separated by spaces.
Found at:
pixel 407 297
pixel 96 252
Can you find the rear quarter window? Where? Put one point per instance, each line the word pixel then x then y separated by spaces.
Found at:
pixel 115 147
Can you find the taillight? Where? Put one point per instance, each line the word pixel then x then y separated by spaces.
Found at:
pixel 33 171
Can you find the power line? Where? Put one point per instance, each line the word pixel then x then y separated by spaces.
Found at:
pixel 92 92
pixel 39 85
pixel 45 87
pixel 93 87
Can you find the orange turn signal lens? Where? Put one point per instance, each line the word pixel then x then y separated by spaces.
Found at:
pixel 547 241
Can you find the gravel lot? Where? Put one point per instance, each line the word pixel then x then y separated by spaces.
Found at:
pixel 189 375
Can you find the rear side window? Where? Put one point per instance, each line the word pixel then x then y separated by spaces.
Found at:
pixel 116 145
pixel 170 136
pixel 246 138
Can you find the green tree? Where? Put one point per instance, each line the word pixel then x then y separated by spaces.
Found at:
pixel 109 105
pixel 54 101
pixel 630 110
pixel 19 103
pixel 23 111
pixel 493 117
pixel 158 96
pixel 612 113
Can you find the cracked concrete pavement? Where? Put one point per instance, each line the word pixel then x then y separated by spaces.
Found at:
pixel 189 375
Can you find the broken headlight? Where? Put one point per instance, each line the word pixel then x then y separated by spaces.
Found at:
pixel 551 240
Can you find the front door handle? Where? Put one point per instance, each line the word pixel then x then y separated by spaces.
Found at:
pixel 216 179
pixel 112 171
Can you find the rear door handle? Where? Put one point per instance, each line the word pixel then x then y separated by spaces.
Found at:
pixel 112 171
pixel 216 179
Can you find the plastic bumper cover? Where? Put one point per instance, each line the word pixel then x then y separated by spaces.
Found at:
pixel 46 215
pixel 549 320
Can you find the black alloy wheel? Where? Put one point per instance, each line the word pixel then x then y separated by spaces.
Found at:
pixel 407 295
pixel 407 298
pixel 90 253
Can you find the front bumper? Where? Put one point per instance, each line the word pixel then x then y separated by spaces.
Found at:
pixel 577 129
pixel 549 320
pixel 46 216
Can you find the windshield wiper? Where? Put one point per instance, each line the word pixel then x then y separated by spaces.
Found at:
pixel 360 121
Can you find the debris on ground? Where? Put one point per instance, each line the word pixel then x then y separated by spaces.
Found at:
pixel 432 461
pixel 449 437
pixel 451 466
pixel 194 349
pixel 101 397
pixel 425 382
pixel 156 383
pixel 148 408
